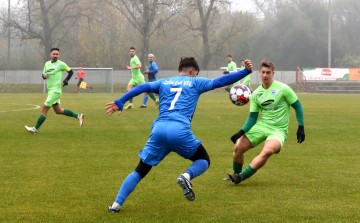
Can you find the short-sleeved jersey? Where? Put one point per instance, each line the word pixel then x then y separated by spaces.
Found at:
pixel 274 104
pixel 179 96
pixel 133 62
pixel 232 66
pixel 54 71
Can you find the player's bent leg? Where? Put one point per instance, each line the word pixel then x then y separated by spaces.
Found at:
pixel 271 146
pixel 201 162
pixel 242 146
pixel 129 185
pixel 58 110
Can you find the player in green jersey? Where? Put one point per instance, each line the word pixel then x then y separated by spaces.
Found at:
pixel 231 69
pixel 53 71
pixel 246 81
pixel 137 78
pixel 273 99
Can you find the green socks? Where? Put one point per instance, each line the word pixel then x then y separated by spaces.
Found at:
pixel 152 96
pixel 131 100
pixel 69 113
pixel 42 118
pixel 237 167
pixel 248 172
pixel 40 121
pixel 228 89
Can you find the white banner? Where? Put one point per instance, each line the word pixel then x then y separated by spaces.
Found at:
pixel 326 74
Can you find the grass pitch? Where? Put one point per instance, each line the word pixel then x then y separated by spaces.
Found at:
pixel 70 174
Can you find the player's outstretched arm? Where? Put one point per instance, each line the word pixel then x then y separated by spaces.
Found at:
pixel 112 107
pixel 233 77
pixel 250 122
pixel 300 118
pixel 119 104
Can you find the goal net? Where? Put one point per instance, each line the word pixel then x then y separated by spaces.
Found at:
pixel 100 79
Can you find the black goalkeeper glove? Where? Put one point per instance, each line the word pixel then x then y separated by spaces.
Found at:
pixel 300 134
pixel 237 136
pixel 226 72
pixel 65 82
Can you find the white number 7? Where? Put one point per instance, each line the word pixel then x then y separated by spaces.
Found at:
pixel 178 92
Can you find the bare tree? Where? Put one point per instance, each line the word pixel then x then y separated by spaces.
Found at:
pixel 146 16
pixel 207 11
pixel 46 20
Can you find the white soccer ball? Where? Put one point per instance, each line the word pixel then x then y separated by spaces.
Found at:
pixel 240 95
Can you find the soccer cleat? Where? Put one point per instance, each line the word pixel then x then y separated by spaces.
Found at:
pixel 32 130
pixel 157 103
pixel 227 178
pixel 81 119
pixel 90 87
pixel 113 209
pixel 236 177
pixel 129 107
pixel 186 186
pixel 142 106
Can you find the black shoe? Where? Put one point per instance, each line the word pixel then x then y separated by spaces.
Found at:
pixel 142 106
pixel 90 87
pixel 186 186
pixel 236 177
pixel 113 210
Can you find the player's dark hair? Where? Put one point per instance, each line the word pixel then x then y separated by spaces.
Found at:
pixel 267 64
pixel 54 49
pixel 188 62
pixel 132 48
pixel 242 60
pixel 229 56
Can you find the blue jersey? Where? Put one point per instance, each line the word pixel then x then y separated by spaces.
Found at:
pixel 179 96
pixel 153 69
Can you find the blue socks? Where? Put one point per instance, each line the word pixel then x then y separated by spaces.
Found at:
pixel 145 100
pixel 127 187
pixel 197 168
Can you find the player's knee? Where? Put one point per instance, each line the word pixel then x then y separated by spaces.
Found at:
pixel 267 152
pixel 201 154
pixel 143 169
pixel 239 149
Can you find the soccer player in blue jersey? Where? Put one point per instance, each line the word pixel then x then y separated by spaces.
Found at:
pixel 151 72
pixel 171 131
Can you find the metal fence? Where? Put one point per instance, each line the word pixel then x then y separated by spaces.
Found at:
pixel 123 76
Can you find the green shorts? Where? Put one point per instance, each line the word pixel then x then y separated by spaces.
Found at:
pixel 135 81
pixel 52 99
pixel 260 132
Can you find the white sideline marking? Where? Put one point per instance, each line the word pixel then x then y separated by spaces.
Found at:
pixel 36 107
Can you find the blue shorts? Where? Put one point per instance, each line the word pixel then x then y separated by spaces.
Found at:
pixel 152 80
pixel 166 137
